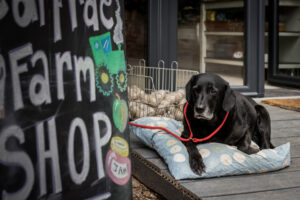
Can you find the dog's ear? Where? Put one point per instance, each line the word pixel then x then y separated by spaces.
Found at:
pixel 188 89
pixel 229 99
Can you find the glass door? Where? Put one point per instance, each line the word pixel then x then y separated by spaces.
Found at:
pixel 226 38
pixel 223 40
pixel 284 42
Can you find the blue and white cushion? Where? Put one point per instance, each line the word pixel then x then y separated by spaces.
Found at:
pixel 219 159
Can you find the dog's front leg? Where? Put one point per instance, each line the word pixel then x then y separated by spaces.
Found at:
pixel 195 158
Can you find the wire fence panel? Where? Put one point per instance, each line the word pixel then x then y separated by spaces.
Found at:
pixel 157 91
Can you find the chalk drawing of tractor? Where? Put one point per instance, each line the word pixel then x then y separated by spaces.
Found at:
pixel 110 64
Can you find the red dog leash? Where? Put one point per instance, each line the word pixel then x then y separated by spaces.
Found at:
pixel 188 123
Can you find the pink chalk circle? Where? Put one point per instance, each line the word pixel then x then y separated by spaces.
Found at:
pixel 117 167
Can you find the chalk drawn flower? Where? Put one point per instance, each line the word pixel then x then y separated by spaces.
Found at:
pixel 104 80
pixel 121 79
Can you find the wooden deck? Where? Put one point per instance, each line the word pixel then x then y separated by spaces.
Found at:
pixel 283 184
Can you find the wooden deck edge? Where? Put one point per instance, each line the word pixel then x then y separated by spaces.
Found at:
pixel 160 182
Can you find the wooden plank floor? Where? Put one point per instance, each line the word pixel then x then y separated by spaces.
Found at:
pixel 283 184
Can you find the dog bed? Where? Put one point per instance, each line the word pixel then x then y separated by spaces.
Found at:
pixel 219 159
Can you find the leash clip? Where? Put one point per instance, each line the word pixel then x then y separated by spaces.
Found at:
pixel 194 139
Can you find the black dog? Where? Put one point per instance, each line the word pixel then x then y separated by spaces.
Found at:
pixel 210 98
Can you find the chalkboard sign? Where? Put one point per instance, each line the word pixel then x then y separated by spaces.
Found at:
pixel 63 100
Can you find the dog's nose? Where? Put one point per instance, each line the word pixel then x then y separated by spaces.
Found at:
pixel 200 108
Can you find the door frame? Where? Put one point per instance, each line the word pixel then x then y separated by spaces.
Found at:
pixel 162 29
pixel 162 40
pixel 255 49
pixel 273 76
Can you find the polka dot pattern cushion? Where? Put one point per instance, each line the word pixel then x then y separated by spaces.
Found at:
pixel 219 159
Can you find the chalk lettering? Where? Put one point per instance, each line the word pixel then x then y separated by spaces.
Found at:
pixel 41 94
pixel 14 56
pixel 108 23
pixel 84 65
pixel 101 141
pixel 29 13
pixel 16 158
pixel 44 154
pixel 3 9
pixel 61 61
pixel 93 21
pixel 80 177
pixel 73 15
pixel 57 4
pixel 47 159
pixel 2 85
pixel 42 12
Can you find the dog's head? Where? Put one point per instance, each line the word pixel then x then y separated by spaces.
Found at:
pixel 208 94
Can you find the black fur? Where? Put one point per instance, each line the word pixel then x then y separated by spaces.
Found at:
pixel 210 97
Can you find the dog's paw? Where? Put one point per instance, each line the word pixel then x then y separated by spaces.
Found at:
pixel 248 150
pixel 197 165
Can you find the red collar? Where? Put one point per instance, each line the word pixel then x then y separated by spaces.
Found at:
pixel 207 137
pixel 191 132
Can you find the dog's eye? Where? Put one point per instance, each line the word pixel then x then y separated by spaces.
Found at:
pixel 213 91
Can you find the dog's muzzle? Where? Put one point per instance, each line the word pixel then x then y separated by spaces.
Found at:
pixel 204 114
